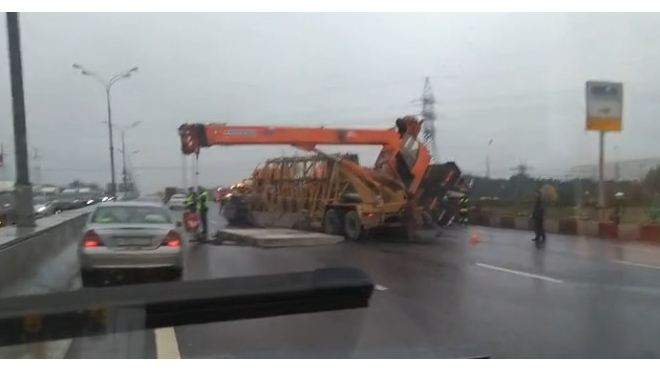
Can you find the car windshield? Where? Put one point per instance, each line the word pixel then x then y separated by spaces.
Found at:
pixel 131 215
pixel 496 176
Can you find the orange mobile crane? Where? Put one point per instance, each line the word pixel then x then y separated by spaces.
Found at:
pixel 328 191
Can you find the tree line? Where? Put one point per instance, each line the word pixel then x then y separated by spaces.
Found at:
pixel 523 188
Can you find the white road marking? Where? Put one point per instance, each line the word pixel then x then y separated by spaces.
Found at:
pixel 166 345
pixel 531 275
pixel 380 288
pixel 637 264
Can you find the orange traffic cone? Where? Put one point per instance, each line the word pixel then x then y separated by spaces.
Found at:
pixel 474 238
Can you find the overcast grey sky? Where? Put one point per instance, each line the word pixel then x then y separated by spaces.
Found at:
pixel 515 78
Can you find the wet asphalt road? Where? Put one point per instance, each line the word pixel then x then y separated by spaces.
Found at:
pixel 504 297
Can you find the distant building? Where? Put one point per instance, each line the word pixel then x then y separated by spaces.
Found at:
pixel 622 170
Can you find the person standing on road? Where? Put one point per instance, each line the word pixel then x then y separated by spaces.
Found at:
pixel 538 214
pixel 191 200
pixel 203 209
pixel 464 210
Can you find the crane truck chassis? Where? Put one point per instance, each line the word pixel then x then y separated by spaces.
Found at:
pixel 315 193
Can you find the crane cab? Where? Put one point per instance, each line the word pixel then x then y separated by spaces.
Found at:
pixel 410 160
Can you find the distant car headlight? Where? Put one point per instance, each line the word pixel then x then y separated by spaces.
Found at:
pixel 105 198
pixel 89 202
pixel 41 209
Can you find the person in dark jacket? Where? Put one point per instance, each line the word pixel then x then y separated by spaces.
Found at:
pixel 538 214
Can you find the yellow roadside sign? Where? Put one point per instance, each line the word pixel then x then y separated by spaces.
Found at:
pixel 604 106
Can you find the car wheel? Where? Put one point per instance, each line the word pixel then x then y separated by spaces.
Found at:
pixel 352 226
pixel 332 222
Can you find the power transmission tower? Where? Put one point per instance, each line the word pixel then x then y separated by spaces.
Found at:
pixel 522 169
pixel 429 116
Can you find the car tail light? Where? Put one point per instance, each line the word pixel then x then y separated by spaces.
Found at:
pixel 173 239
pixel 91 239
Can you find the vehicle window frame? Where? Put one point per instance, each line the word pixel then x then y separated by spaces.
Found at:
pixel 409 150
pixel 165 211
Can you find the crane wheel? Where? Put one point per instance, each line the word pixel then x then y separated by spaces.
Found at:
pixel 332 222
pixel 352 225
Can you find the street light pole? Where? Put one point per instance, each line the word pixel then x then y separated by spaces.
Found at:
pixel 23 188
pixel 108 84
pixel 113 189
pixel 123 159
pixel 123 153
pixel 617 173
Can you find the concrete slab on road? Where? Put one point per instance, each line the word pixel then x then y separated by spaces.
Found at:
pixel 276 237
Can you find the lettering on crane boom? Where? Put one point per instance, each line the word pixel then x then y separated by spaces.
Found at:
pixel 244 132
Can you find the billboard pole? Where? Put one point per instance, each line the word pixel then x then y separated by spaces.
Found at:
pixel 601 175
pixel 604 113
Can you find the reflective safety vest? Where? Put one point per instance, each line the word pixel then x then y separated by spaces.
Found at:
pixel 105 219
pixel 201 201
pixel 464 205
pixel 191 200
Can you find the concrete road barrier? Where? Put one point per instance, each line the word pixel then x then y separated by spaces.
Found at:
pixel 587 228
pixel 628 231
pixel 650 232
pixel 522 223
pixel 507 222
pixel 24 252
pixel 572 226
pixel 38 261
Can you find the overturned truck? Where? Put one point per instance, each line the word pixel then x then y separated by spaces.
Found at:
pixel 317 193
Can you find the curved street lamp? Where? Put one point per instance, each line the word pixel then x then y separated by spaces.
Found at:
pixel 123 130
pixel 107 85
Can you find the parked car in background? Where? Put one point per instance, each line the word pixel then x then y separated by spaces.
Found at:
pixel 150 198
pixel 63 204
pixel 177 202
pixel 43 206
pixel 7 209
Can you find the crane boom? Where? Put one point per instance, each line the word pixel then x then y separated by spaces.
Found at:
pixel 194 136
pixel 403 157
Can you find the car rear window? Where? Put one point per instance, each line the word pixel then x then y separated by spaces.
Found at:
pixel 131 214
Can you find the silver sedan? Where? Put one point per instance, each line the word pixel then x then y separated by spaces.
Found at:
pixel 177 202
pixel 125 239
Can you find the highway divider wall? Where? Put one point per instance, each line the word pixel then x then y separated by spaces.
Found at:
pixel 26 254
pixel 573 226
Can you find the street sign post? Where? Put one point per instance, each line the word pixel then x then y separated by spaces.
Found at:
pixel 604 113
pixel 604 106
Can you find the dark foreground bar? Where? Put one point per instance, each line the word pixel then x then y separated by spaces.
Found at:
pixel 95 311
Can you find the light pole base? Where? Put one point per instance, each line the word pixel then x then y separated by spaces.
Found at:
pixel 24 207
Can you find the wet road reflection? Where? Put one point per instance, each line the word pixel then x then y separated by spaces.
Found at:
pixel 440 302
